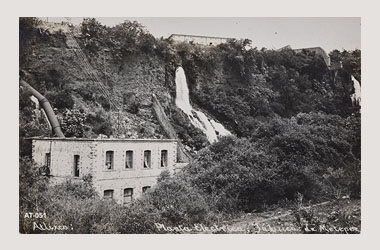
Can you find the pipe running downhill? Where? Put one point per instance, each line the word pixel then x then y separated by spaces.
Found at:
pixel 47 108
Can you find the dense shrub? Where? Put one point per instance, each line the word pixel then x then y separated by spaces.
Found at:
pixel 350 61
pixel 61 100
pixel 186 131
pixel 100 123
pixel 241 83
pixel 231 173
pixel 31 123
pixel 139 218
pixel 333 219
pixel 179 203
pixel 76 206
pixel 123 40
pixel 318 144
pixel 73 123
pixel 27 31
pixel 309 154
pixel 131 103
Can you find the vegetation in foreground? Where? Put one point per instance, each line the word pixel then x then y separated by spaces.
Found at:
pixel 234 176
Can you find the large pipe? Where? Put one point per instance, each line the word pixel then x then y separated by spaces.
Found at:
pixel 47 108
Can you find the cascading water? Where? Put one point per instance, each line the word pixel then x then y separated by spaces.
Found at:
pixel 210 127
pixel 182 91
pixel 357 95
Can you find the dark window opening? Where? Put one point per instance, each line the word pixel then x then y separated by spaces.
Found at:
pixel 146 188
pixel 147 160
pixel 47 160
pixel 109 160
pixel 129 159
pixel 164 158
pixel 76 165
pixel 128 195
pixel 108 194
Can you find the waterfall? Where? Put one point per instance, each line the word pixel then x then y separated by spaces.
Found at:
pixel 356 96
pixel 182 91
pixel 210 127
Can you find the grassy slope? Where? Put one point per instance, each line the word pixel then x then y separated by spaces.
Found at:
pixel 333 215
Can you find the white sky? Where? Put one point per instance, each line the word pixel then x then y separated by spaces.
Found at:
pixel 326 32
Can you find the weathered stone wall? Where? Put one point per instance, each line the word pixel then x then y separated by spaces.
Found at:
pixel 93 161
pixel 205 40
pixel 62 156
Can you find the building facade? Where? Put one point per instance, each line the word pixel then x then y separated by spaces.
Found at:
pixel 204 40
pixel 122 169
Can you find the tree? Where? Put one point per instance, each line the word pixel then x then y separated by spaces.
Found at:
pixel 73 123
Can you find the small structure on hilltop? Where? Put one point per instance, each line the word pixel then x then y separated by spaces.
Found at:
pixel 204 40
pixel 121 169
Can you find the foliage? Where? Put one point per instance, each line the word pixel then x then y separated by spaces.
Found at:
pixel 310 154
pixel 31 123
pixel 178 203
pixel 100 123
pixel 33 182
pixel 75 205
pixel 350 61
pixel 233 175
pixel 241 85
pixel 61 100
pixel 131 102
pixel 139 218
pixel 123 40
pixel 309 149
pixel 186 131
pixel 27 30
pixel 334 219
pixel 73 123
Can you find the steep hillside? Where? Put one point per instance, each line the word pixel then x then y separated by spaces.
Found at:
pixel 237 85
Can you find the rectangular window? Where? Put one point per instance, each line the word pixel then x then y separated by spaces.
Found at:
pixel 147 160
pixel 146 188
pixel 129 159
pixel 128 195
pixel 47 160
pixel 164 158
pixel 76 165
pixel 109 160
pixel 108 194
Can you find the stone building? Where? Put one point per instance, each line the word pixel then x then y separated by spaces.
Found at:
pixel 204 40
pixel 122 169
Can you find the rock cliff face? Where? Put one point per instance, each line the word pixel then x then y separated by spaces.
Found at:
pixel 228 83
pixel 51 65
pixel 182 155
pixel 54 67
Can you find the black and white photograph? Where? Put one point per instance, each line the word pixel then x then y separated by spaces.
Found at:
pixel 190 125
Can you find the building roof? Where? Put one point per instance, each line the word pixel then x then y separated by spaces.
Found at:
pixel 97 139
pixel 198 36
